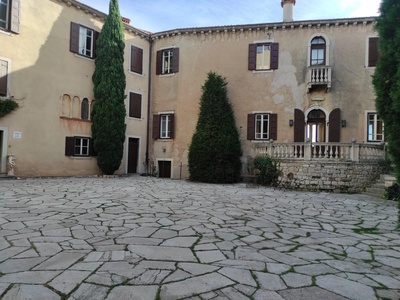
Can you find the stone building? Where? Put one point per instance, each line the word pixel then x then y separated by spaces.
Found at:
pixel 299 89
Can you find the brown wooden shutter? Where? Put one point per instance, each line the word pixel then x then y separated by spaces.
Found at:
pixel 373 53
pixel 135 105
pixel 92 151
pixel 69 146
pixel 273 127
pixel 334 126
pixel 3 77
pixel 175 60
pixel 252 56
pixel 137 60
pixel 15 15
pixel 95 37
pixel 159 62
pixel 74 38
pixel 250 127
pixel 274 56
pixel 172 126
pixel 156 126
pixel 299 126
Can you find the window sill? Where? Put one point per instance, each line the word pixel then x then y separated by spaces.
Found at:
pixel 137 74
pixel 167 75
pixel 75 119
pixel 81 157
pixel 134 118
pixel 262 71
pixel 5 31
pixel 165 139
pixel 84 57
pixel 370 68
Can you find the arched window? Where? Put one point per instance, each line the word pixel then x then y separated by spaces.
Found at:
pixel 85 109
pixel 318 51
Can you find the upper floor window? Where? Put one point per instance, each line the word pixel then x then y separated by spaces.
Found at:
pixel 318 52
pixel 263 56
pixel 135 105
pixel 262 126
pixel 167 61
pixel 83 40
pixel 163 126
pixel 136 60
pixel 10 15
pixel 373 51
pixel 3 78
pixel 375 128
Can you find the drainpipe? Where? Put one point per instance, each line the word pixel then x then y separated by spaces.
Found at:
pixel 148 108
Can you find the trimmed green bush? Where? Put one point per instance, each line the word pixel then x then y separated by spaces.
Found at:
pixel 7 106
pixel 215 149
pixel 269 170
pixel 393 192
pixel 108 128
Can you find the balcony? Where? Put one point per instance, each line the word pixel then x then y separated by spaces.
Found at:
pixel 319 76
pixel 322 151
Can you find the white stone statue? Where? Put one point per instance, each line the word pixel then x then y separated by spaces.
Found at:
pixel 10 165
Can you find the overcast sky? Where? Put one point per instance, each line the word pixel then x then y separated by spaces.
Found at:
pixel 161 15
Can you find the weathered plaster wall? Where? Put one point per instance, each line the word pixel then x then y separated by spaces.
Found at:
pixel 279 91
pixel 42 72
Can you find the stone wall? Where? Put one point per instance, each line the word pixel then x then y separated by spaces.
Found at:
pixel 338 177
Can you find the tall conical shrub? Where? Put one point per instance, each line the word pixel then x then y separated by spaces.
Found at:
pixel 386 79
pixel 215 144
pixel 108 128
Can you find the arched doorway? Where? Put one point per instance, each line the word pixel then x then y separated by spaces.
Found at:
pixel 316 126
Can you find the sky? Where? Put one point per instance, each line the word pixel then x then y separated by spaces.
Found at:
pixel 163 15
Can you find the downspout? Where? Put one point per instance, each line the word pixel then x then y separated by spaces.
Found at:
pixel 148 107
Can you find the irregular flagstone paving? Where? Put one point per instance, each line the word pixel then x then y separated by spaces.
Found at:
pixel 149 238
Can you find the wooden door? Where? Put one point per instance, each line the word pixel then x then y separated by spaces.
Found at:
pixel 133 155
pixel 164 169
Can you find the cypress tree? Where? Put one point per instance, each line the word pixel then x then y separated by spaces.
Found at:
pixel 386 79
pixel 108 128
pixel 215 143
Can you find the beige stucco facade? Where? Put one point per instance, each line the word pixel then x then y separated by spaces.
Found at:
pixel 49 82
pixel 225 50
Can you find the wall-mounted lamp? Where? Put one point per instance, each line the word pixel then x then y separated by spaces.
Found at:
pixel 344 123
pixel 290 122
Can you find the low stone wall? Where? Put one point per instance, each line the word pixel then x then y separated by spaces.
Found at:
pixel 338 177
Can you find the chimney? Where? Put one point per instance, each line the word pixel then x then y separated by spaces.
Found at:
pixel 126 20
pixel 288 6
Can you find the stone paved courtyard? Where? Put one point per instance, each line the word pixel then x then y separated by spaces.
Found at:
pixel 148 238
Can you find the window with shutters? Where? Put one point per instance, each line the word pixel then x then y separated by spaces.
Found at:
pixel 79 146
pixel 372 51
pixel 375 128
pixel 263 56
pixel 163 126
pixel 83 40
pixel 167 61
pixel 135 105
pixel 3 78
pixel 10 15
pixel 136 60
pixel 262 126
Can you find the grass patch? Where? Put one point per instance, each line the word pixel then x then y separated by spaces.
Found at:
pixel 366 230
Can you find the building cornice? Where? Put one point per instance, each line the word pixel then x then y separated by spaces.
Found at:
pixel 268 27
pixel 102 17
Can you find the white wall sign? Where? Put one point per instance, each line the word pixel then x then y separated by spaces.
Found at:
pixel 17 135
